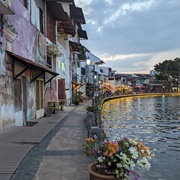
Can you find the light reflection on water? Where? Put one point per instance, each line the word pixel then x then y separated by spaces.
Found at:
pixel 156 120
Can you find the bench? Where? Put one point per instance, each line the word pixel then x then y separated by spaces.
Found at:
pixel 56 105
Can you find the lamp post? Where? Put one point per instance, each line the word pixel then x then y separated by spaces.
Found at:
pixel 88 63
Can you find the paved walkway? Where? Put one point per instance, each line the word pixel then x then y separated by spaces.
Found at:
pixel 50 150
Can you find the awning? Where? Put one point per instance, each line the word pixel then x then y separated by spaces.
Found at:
pixel 77 14
pixel 58 12
pixel 56 9
pixel 82 34
pixel 31 65
pixel 67 25
pixel 5 9
pixel 77 47
pixel 94 59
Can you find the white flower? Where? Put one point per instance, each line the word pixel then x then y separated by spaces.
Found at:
pixel 132 166
pixel 133 152
pixel 100 159
pixel 126 166
pixel 143 163
pixel 109 163
pixel 119 165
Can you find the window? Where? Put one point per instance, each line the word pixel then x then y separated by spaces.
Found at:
pixel 82 71
pixel 25 3
pixel 49 61
pixel 37 15
pixel 41 21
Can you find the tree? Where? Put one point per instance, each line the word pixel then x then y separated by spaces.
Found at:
pixel 169 69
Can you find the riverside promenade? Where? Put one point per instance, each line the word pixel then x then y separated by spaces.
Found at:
pixel 49 150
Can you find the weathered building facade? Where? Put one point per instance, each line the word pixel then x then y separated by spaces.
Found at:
pixel 35 57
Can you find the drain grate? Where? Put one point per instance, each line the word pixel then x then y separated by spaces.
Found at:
pixel 32 143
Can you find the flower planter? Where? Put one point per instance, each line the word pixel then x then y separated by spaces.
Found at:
pixel 110 156
pixel 10 37
pixel 96 176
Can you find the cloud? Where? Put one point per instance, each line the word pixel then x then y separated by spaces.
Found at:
pixel 132 28
pixel 141 63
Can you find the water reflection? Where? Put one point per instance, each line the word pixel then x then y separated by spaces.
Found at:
pixel 156 120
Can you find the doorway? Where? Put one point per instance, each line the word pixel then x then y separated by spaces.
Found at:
pixel 39 90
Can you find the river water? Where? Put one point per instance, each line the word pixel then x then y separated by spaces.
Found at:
pixel 155 120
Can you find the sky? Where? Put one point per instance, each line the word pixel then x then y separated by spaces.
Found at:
pixel 131 36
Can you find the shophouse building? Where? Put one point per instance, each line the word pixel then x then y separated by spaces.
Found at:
pixel 36 56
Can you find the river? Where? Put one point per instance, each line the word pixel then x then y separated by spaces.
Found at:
pixel 155 120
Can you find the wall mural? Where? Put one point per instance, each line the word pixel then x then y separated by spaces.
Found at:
pixel 39 48
pixel 6 94
pixel 6 105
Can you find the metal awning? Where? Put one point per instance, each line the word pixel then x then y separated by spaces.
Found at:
pixel 5 8
pixel 32 66
pixel 82 34
pixel 77 47
pixel 56 9
pixel 77 14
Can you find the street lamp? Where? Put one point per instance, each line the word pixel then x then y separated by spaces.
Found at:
pixel 88 63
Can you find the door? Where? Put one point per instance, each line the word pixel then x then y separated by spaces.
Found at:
pixel 61 89
pixel 18 102
pixel 39 90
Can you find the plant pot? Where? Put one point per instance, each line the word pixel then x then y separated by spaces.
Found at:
pixel 96 176
pixel 10 37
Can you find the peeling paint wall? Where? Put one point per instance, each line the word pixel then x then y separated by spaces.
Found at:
pixel 29 43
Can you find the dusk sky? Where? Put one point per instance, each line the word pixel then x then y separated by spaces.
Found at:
pixel 131 36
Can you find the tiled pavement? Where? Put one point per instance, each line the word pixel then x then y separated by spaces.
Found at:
pixel 62 158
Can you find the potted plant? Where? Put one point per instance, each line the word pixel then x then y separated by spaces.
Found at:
pixel 118 159
pixel 76 99
pixel 92 108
